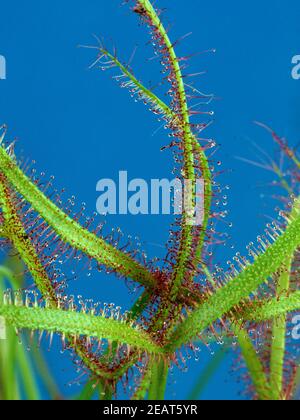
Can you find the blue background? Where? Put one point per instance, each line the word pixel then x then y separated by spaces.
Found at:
pixel 78 125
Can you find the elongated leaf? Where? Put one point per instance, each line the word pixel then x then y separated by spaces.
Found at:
pixel 205 376
pixel 69 230
pixel 77 324
pixel 240 287
pixel 264 311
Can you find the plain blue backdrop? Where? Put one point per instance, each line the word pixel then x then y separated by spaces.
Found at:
pixel 78 125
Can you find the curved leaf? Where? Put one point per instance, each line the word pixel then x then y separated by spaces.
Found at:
pixel 77 324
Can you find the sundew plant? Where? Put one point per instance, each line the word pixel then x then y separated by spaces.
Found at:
pixel 185 301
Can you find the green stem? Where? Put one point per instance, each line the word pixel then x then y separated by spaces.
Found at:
pixel 16 233
pixel 145 383
pixel 158 381
pixel 180 120
pixel 70 231
pixel 210 369
pixel 270 309
pixel 279 335
pixel 27 375
pixel 8 351
pixel 163 109
pixel 89 390
pixel 253 363
pixel 106 390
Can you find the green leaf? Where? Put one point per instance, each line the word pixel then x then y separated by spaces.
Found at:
pixel 240 287
pixel 145 382
pixel 158 382
pixel 69 230
pixel 28 376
